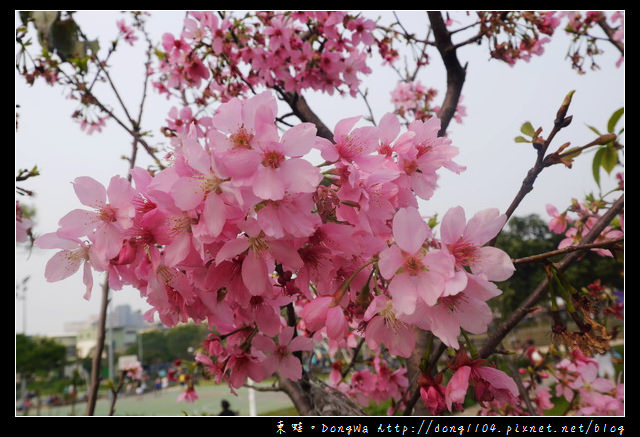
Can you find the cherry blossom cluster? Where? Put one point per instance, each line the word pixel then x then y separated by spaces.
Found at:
pixel 589 394
pixel 414 101
pixel 489 385
pixel 226 57
pixel 132 370
pixel 373 385
pixel 518 35
pixel 577 220
pixel 23 225
pixel 243 232
pixel 578 379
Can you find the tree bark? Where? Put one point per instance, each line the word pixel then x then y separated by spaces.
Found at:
pixel 97 354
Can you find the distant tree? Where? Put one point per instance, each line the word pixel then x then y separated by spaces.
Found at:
pixel 38 356
pixel 181 338
pixel 530 235
pixel 154 347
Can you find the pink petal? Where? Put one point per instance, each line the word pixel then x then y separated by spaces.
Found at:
pixel 61 266
pixel 178 250
pixel 498 379
pixel 314 313
pixel 409 229
pixel 494 263
pixel 268 184
pixel 445 326
pixel 390 261
pixel 87 279
pixel 452 226
pixel 290 367
pixel 231 249
pixel 327 149
pixel 299 140
pixel 343 127
pixel 403 294
pixel 484 225
pixel 79 222
pixel 389 127
pixel 457 387
pixel 228 117
pixel 286 254
pixel 53 241
pixel 300 176
pixel 269 221
pixel 214 214
pixel 473 314
pixel 300 344
pixel 240 163
pixel 120 192
pixel 187 193
pixel 429 286
pixel 336 323
pixel 254 273
pixel 377 304
pixel 90 192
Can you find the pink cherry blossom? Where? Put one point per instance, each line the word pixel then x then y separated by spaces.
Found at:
pixel 464 240
pixel 107 220
pixel 279 356
pixel 74 253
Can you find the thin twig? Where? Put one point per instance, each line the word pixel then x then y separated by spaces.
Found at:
pixel 516 316
pixel 544 256
pixel 97 354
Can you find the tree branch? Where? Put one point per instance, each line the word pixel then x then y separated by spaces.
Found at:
pixel 302 110
pixel 455 72
pixel 609 32
pixel 516 316
pixel 97 354
pixel 544 256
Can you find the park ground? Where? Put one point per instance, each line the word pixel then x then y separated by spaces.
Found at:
pixel 165 403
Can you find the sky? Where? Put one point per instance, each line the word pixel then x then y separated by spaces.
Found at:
pixel 498 99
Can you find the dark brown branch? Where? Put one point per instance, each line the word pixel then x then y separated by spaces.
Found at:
pixel 356 351
pixel 516 316
pixel 609 32
pixel 455 72
pixel 302 110
pixel 544 256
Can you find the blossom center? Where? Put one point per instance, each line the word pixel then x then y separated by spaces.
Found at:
pixel 241 138
pixel 464 252
pixel 107 214
pixel 272 159
pixel 413 265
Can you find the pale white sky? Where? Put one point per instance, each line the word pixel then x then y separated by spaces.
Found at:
pixel 498 99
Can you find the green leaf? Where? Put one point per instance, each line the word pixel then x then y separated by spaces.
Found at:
pixel 527 129
pixel 609 159
pixel 611 124
pixel 595 165
pixel 521 139
pixel 594 130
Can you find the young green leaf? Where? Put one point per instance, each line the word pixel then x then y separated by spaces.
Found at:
pixel 595 165
pixel 527 129
pixel 609 158
pixel 521 139
pixel 615 117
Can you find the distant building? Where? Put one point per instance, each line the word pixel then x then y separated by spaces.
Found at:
pixel 122 328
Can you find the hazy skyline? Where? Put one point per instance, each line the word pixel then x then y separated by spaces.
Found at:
pixel 498 99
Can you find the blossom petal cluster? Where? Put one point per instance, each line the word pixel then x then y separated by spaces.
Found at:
pixel 243 232
pixel 226 56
